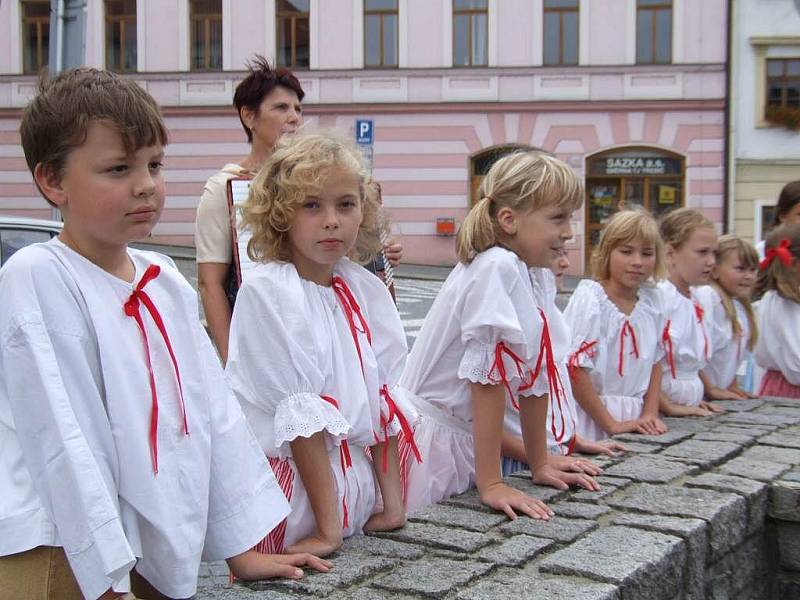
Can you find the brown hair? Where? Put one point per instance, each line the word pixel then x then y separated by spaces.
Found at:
pixel 788 199
pixel 58 118
pixel 521 181
pixel 260 81
pixel 748 256
pixel 624 227
pixel 785 280
pixel 678 225
pixel 296 169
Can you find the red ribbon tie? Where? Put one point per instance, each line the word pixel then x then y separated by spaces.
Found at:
pixel 132 309
pixel 627 329
pixel 666 339
pixel 782 253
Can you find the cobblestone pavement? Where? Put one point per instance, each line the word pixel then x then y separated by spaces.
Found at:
pixel 710 510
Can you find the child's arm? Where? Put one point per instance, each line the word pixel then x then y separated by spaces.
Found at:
pixel 393 515
pixel 716 393
pixel 587 397
pixel 252 565
pixel 211 278
pixel 513 447
pixel 314 467
pixel 488 408
pixel 650 419
pixel 672 409
pixel 533 418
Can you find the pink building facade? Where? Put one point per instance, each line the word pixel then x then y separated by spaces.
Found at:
pixel 639 131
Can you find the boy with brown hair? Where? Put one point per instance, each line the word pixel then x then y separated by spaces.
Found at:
pixel 122 446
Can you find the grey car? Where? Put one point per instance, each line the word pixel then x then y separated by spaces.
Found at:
pixel 18 232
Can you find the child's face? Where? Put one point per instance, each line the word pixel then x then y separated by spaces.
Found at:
pixel 107 196
pixel 280 112
pixel 325 226
pixel 693 262
pixel 734 276
pixel 632 263
pixel 538 236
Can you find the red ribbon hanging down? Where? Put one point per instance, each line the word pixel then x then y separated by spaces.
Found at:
pixel 352 311
pixel 627 329
pixel 782 253
pixel 498 365
pixel 555 385
pixel 345 462
pixel 666 339
pixel 587 348
pixel 699 312
pixel 132 306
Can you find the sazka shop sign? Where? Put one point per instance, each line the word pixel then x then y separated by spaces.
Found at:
pixel 635 166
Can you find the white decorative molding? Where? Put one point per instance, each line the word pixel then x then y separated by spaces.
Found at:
pixel 469 88
pixel 402 33
pixel 492 34
pixel 313 34
pixel 206 92
pixel 653 86
pixel 358 34
pixel 270 34
pixel 96 27
pixel 447 34
pixel 141 37
pixel 380 89
pixel 537 35
pixel 561 87
pixel 678 19
pixel 16 37
pixel 629 34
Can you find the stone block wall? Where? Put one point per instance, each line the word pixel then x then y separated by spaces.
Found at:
pixel 709 510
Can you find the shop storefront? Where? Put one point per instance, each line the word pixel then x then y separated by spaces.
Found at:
pixel 634 176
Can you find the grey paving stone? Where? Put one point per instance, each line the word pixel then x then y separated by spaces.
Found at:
pixel 725 436
pixel 726 513
pixel 693 531
pixel 781 438
pixel 608 485
pixel 739 428
pixel 469 499
pixel 789 545
pixel 786 456
pixel 454 516
pixel 638 448
pixel 440 537
pixel 692 424
pixel 535 586
pixel 754 492
pixel 633 559
pixel 670 437
pixel 739 405
pixel 652 469
pixel 367 592
pixel 703 453
pixel 791 476
pixel 543 493
pixel 579 510
pixel 784 501
pixel 738 571
pixel 240 592
pixel 369 544
pixel 759 418
pixel 347 571
pixel 753 469
pixel 432 578
pixel 791 411
pixel 515 551
pixel 557 528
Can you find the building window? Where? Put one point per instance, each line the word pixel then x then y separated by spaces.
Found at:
pixel 293 34
pixel 121 35
pixel 206 30
pixel 783 83
pixel 561 32
pixel 470 33
pixel 380 33
pixel 35 35
pixel 653 32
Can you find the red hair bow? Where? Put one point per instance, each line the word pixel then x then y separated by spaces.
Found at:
pixel 782 252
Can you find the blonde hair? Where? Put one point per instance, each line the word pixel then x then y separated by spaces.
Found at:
pixel 748 256
pixel 624 227
pixel 785 280
pixel 520 181
pixel 678 225
pixel 297 169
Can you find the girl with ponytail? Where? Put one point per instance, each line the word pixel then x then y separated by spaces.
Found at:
pixel 488 349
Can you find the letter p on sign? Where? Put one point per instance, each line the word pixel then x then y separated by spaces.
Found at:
pixel 365 131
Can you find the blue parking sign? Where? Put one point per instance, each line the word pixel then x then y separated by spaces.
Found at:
pixel 365 131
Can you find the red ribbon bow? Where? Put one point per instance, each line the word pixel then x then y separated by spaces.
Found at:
pixel 699 312
pixel 132 309
pixel 627 329
pixel 666 339
pixel 555 385
pixel 587 348
pixel 352 311
pixel 499 366
pixel 782 253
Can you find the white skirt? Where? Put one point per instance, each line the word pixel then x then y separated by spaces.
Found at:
pixel 621 408
pixel 448 460
pixel 686 389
